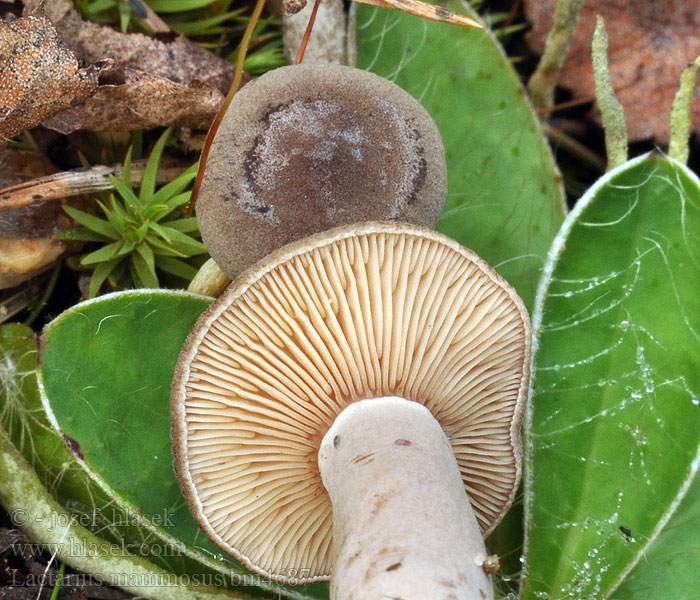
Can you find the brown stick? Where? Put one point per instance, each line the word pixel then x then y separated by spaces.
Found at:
pixel 81 181
pixel 307 33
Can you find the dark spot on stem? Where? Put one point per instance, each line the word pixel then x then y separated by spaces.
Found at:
pixel 402 442
pixel 138 8
pixel 336 441
pixel 39 349
pixel 353 558
pixel 393 567
pixel 74 446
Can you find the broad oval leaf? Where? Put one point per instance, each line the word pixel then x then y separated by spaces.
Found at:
pixel 52 480
pixel 28 429
pixel 505 199
pixel 613 428
pixel 671 565
pixel 105 372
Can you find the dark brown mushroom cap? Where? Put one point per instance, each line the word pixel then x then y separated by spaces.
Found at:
pixel 359 312
pixel 306 148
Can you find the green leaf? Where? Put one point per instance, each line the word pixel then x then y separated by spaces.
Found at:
pixel 671 566
pixel 92 222
pixel 53 528
pixel 265 58
pixel 175 186
pixel 115 216
pixel 142 230
pixel 148 182
pixel 205 26
pixel 119 208
pixel 102 271
pixel 161 248
pixel 80 234
pixel 144 264
pixel 144 250
pixel 105 253
pixel 126 167
pixel 179 200
pixel 127 194
pixel 179 241
pixel 157 212
pixel 19 394
pixel 505 199
pixel 187 225
pixel 117 276
pixel 129 245
pixel 109 391
pixel 173 6
pixel 54 461
pixel 97 6
pixel 124 16
pixel 176 267
pixel 613 430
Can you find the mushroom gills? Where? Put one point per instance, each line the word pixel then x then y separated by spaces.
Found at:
pixel 403 526
pixel 294 347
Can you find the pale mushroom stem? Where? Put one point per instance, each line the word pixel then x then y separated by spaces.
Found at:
pixel 403 526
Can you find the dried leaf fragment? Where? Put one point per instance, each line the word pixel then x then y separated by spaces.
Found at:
pixel 39 76
pixel 292 7
pixel 425 10
pixel 142 101
pixel 26 243
pixel 178 60
pixel 26 233
pixel 155 81
pixel 650 44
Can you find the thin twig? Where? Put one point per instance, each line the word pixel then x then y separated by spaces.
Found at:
pixel 307 33
pixel 46 295
pixel 81 181
pixel 16 299
pixel 573 146
pixel 237 78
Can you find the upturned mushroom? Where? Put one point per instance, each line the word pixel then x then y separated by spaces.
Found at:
pixel 351 406
pixel 305 148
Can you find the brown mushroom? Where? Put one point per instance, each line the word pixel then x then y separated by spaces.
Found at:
pixel 383 360
pixel 306 148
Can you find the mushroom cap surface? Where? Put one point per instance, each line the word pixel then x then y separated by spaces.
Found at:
pixel 306 148
pixel 358 312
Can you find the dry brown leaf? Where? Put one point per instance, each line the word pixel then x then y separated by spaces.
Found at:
pixel 650 44
pixel 142 101
pixel 39 76
pixel 156 81
pixel 26 243
pixel 172 57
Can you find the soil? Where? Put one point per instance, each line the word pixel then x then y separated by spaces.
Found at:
pixel 29 572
